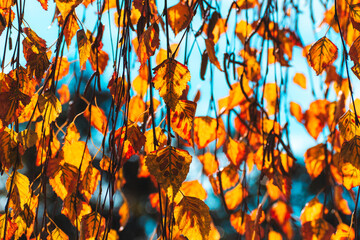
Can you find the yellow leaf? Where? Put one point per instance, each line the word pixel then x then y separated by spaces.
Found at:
pixel 64 180
pixel 57 234
pixel 210 48
pixel 193 218
pixel 70 29
pixel 206 131
pixel 312 211
pixel 170 167
pixel 137 107
pixel 50 107
pixel 27 138
pixel 179 17
pixel 74 209
pixel 210 165
pixel 92 226
pixel 274 235
pixel 347 126
pixel 84 46
pixel 235 151
pixel 171 79
pixel 162 54
pixel 64 94
pixel 191 189
pixel 65 6
pixel 89 182
pixel 343 232
pixel 317 229
pixel 321 54
pixel 350 152
pixel 20 191
pixel 100 61
pixel 243 30
pixel 182 119
pixel 160 137
pixel 235 196
pixel 8 148
pixel 300 80
pixel 140 85
pixel 295 110
pixel 340 203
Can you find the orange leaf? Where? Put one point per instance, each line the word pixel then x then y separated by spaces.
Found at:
pixel 170 167
pixel 64 180
pixel 182 119
pixel 210 165
pixel 124 214
pixel 179 17
pixel 350 152
pixel 295 110
pixel 347 125
pixel 65 6
pixel 281 212
pixel 343 232
pixel 64 93
pixel 235 196
pixel 300 80
pixel 162 54
pixel 96 117
pixel 210 48
pixel 315 160
pixel 193 218
pixel 191 189
pixel 171 79
pixel 119 89
pixel 205 131
pixel 274 235
pixel 271 91
pixel 340 203
pixel 70 29
pixel 98 60
pixel 235 151
pixel 140 85
pixel 137 107
pixel 243 30
pixel 239 220
pixel 322 54
pixel 312 211
pixel 89 182
pixel 92 226
pixel 316 117
pixel 148 43
pixel 57 234
pixel 84 46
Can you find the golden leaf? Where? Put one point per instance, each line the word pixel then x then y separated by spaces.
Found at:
pixel 148 42
pixel 300 80
pixel 74 209
pixel 312 211
pixel 89 182
pixel 193 218
pixel 96 117
pixel 70 29
pixel 210 165
pixel 84 46
pixel 355 15
pixel 170 167
pixel 64 180
pixel 343 232
pixel 20 191
pixel 350 152
pixel 295 110
pixel 315 160
pixel 235 196
pixel 317 229
pixel 65 6
pixel 321 54
pixel 160 137
pixel 347 125
pixel 171 79
pixel 235 151
pixel 50 107
pixel 57 234
pixel 206 131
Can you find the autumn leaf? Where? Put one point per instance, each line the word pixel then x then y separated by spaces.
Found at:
pixel 138 108
pixel 64 180
pixel 191 189
pixel 89 182
pixel 171 79
pixel 124 213
pixel 179 17
pixel 182 119
pixel 235 151
pixel 347 125
pixel 74 209
pixel 239 221
pixel 317 229
pixel 96 117
pixel 57 234
pixel 322 54
pixel 92 226
pixel 271 91
pixel 148 42
pixel 99 60
pixel 49 106
pixel 193 218
pixel 119 89
pixel 312 211
pixel 343 232
pixel 210 48
pixel 70 29
pixel 160 138
pixel 235 196
pixel 210 165
pixel 206 131
pixel 66 6
pixel 84 46
pixel 20 190
pixel 355 15
pixel 315 117
pixel 10 228
pixel 315 160
pixel 300 80
pixel 64 93
pixel 170 167
pixel 243 30
pixel 350 152
pixel 162 54
pixel 295 110
pixel 341 203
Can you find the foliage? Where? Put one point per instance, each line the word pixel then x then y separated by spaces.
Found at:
pixel 66 140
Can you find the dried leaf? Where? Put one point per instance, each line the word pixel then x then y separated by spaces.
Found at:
pixel 210 48
pixel 179 17
pixel 170 167
pixel 193 218
pixel 148 42
pixel 322 54
pixel 171 79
